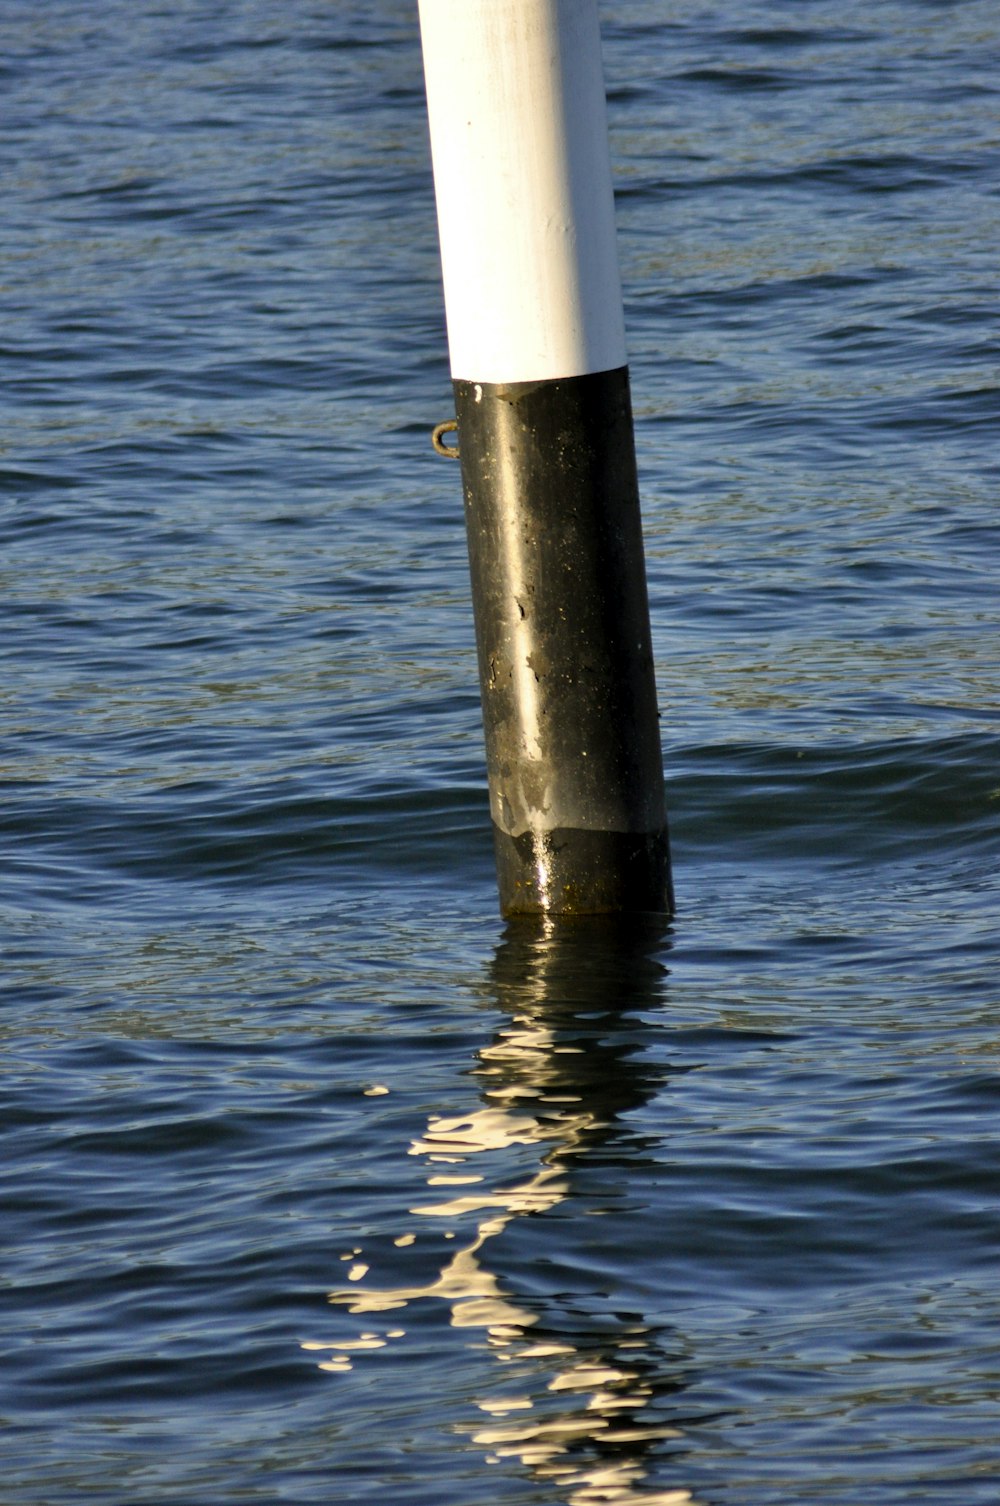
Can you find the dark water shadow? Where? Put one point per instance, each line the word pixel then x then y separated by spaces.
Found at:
pixel 589 1394
pixel 538 1188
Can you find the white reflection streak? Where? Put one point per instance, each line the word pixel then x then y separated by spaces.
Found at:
pixel 476 1299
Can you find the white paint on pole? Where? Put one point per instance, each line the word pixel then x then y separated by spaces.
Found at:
pixel 522 171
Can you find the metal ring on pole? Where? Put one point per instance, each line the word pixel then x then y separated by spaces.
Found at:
pixel 450 426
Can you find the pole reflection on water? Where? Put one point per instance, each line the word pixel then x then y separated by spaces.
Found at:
pixel 584 1394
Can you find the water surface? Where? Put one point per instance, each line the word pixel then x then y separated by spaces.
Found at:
pixel 320 1183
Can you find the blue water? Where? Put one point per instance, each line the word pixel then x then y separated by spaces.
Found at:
pixel 319 1183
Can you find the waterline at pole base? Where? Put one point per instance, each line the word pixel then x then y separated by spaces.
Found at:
pixel 573 872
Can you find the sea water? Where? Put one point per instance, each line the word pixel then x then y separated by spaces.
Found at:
pixel 319 1183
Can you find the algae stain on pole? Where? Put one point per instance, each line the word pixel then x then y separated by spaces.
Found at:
pixel 536 336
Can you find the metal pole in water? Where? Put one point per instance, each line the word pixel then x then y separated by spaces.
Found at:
pixel 536 336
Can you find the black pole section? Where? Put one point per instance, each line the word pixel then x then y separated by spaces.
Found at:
pixel 565 659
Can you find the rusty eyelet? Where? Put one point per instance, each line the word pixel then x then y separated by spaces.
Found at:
pixel 450 426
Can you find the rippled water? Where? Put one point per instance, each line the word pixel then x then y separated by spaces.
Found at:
pixel 319 1183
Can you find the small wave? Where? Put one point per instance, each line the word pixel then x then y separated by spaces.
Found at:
pixel 846 805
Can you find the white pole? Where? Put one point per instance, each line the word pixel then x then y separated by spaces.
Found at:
pixel 519 141
pixel 535 330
